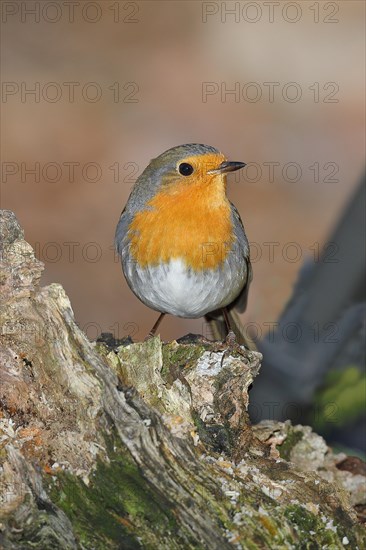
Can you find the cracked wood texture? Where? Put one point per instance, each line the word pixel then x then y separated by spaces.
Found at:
pixel 114 445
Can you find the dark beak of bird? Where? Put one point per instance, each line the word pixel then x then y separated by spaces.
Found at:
pixel 227 167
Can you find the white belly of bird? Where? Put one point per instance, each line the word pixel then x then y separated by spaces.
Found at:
pixel 173 288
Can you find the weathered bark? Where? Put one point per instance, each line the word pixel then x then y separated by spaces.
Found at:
pixel 147 445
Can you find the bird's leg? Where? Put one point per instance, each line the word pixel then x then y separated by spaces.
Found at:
pixel 230 344
pixel 230 338
pixel 152 332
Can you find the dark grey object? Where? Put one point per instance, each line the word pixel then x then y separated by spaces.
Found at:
pixel 322 326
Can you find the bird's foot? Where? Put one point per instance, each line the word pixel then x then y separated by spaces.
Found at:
pixel 230 346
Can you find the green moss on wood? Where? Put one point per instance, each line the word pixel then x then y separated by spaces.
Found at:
pixel 178 357
pixel 293 437
pixel 215 437
pixel 116 509
pixel 316 531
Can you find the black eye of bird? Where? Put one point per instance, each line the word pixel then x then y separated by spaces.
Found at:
pixel 185 169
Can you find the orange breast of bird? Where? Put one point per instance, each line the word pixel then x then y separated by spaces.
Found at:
pixel 191 223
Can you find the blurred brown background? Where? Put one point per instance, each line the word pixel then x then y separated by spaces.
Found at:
pixel 158 56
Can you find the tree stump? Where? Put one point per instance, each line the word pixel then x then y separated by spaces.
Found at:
pixel 111 445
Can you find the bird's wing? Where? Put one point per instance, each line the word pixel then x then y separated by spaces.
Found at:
pixel 121 231
pixel 240 303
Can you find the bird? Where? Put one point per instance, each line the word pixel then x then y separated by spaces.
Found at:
pixel 182 243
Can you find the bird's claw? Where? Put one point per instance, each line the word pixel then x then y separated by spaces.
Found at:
pixel 229 346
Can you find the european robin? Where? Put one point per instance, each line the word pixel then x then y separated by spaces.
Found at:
pixel 182 243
